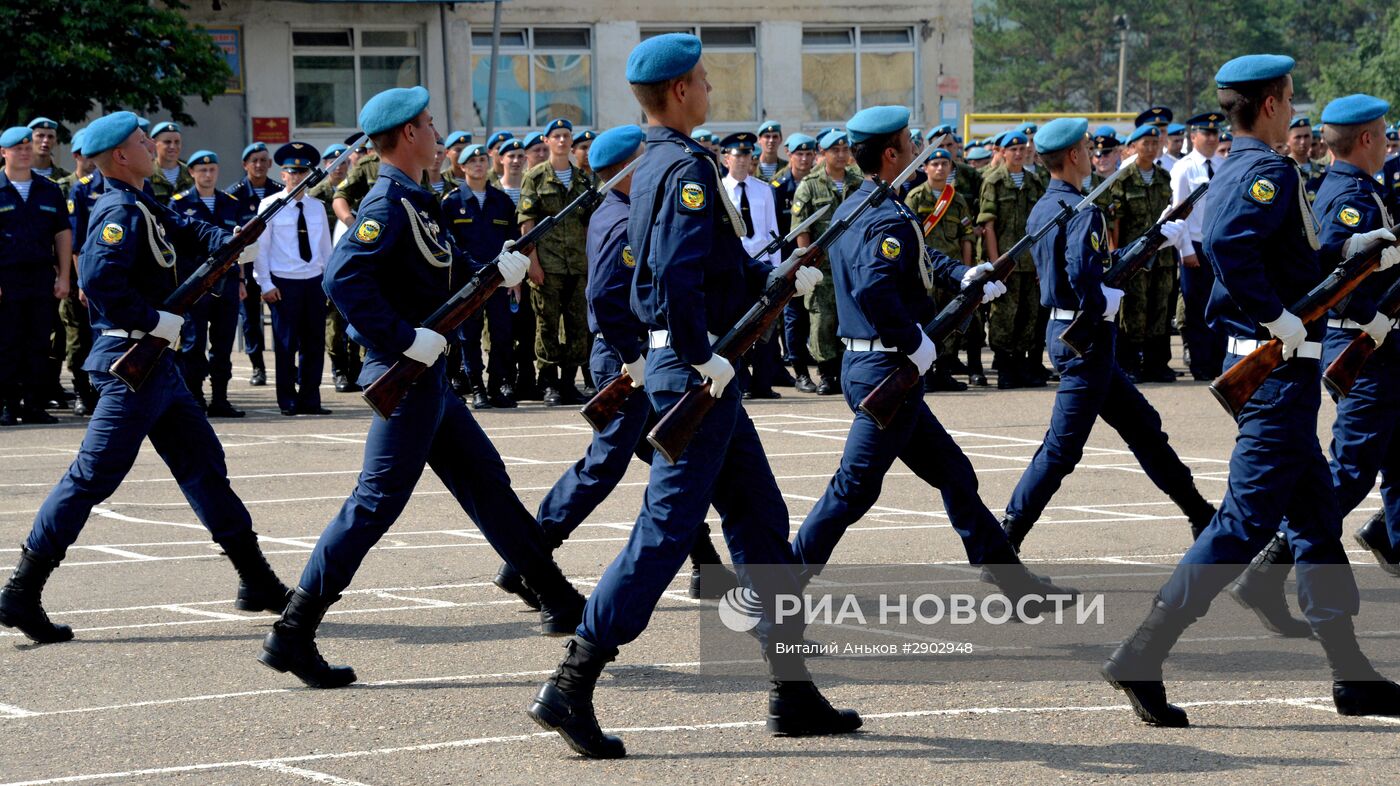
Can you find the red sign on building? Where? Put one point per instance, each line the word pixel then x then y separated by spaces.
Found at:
pixel 272 130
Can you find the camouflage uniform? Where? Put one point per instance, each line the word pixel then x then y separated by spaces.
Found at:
pixel 560 305
pixel 815 192
pixel 1148 298
pixel 1013 316
pixel 948 236
pixel 164 190
pixel 357 181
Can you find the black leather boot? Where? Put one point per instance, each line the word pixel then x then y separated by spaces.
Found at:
pixel 1016 582
pixel 568 392
pixel 21 602
pixel 1260 589
pixel 709 579
pixel 565 702
pixel 86 400
pixel 1375 538
pixel 1136 666
pixel 259 589
pixel 796 708
pixel 1016 531
pixel 509 580
pixel 1199 512
pixel 259 375
pixel 561 605
pixel 219 406
pixel 291 646
pixel 1357 688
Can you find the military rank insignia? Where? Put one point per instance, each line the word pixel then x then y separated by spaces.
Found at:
pixel 627 259
pixel 1263 191
pixel 368 231
pixel 889 249
pixel 1349 215
pixel 692 195
pixel 113 233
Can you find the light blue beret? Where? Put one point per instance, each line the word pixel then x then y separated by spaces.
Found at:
pixel 1226 136
pixel 256 147
pixel 1105 130
pixel 42 122
pixel 333 151
pixel 161 128
pixel 1028 128
pixel 203 157
pixel 796 142
pixel 1142 131
pixel 16 135
pixel 1354 109
pixel 392 108
pixel 877 120
pixel 701 134
pixel 499 137
pixel 297 155
pixel 1175 128
pixel 509 145
pixel 833 137
pixel 556 124
pixel 531 139
pixel 615 146
pixel 587 135
pixel 939 153
pixel 978 153
pixel 143 124
pixel 916 133
pixel 77 143
pixel 663 57
pixel 974 144
pixel 1013 138
pixel 457 136
pixel 934 133
pixel 469 152
pixel 1253 68
pixel 1300 121
pixel 1061 133
pixel 771 125
pixel 108 131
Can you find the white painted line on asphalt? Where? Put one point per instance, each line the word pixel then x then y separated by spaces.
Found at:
pixel 426 602
pixel 130 555
pixel 1326 706
pixel 108 513
pixel 11 711
pixel 218 615
pixel 311 775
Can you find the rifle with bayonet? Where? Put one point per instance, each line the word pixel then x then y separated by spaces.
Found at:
pixel 1340 376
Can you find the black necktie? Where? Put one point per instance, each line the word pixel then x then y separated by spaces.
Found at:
pixel 1210 170
pixel 744 211
pixel 303 234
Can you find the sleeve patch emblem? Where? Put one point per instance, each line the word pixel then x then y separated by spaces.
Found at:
pixel 627 259
pixel 113 233
pixel 368 231
pixel 1263 191
pixel 797 207
pixel 526 203
pixel 692 195
pixel 1349 216
pixel 889 248
pixel 1095 241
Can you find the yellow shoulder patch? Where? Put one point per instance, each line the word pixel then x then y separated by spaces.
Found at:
pixel 70 206
pixel 180 195
pixel 85 179
pixel 1263 190
pixel 113 233
pixel 889 248
pixel 1349 215
pixel 796 207
pixel 526 203
pixel 627 259
pixel 692 195
pixel 368 231
pixel 1095 241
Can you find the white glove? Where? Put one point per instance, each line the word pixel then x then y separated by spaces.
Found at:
pixel 973 272
pixel 426 347
pixel 1355 243
pixel 806 280
pixel 637 370
pixel 1172 231
pixel 1290 330
pixel 1112 299
pixel 512 265
pixel 168 327
pixel 992 290
pixel 923 357
pixel 719 371
pixel 1378 328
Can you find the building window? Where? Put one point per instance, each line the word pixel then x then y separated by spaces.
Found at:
pixel 543 73
pixel 845 69
pixel 731 61
pixel 334 71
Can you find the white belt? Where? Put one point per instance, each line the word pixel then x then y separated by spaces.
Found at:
pixel 1345 324
pixel 866 345
pixel 133 334
pixel 656 339
pixel 1243 346
pixel 1064 314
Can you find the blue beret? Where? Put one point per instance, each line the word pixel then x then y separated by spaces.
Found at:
pixel 469 152
pixel 615 146
pixel 1104 130
pixel 1013 138
pixel 457 136
pixel 108 131
pixel 1393 133
pixel 939 153
pixel 333 151
pixel 256 147
pixel 1300 121
pixel 1154 115
pixel 917 134
pixel 978 153
pixel 1226 136
pixel 556 124
pixel 1142 131
pixel 509 145
pixel 1253 68
pixel 957 138
pixel 42 122
pixel 824 132
pixel 143 124
pixel 499 137
pixel 833 137
pixel 531 139
pixel 796 142
pixel 350 140
pixel 161 128
pixel 771 125
pixel 739 140
pixel 77 143
pixel 934 133
pixel 587 135
pixel 17 135
pixel 1061 133
pixel 1208 120
pixel 1028 128
pixel 200 157
pixel 1175 128
pixel 1354 109
pixel 1106 142
pixel 701 134
pixel 877 120
pixel 297 155
pixel 663 57
pixel 392 108
pixel 974 144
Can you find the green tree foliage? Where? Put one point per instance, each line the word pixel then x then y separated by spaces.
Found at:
pixel 1371 66
pixel 63 58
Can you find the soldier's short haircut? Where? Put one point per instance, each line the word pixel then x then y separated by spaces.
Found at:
pixel 1342 139
pixel 1245 101
pixel 387 141
pixel 1056 161
pixel 652 96
pixel 869 152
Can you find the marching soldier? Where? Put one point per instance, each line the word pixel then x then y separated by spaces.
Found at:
pixel 171 176
pixel 1139 199
pixel 128 268
pixel 827 186
pixel 558 267
pixel 1008 193
pixel 802 155
pixel 1205 344
pixel 693 281
pixel 210 326
pixel 45 139
pixel 1261 238
pixel 250 192
pixel 392 270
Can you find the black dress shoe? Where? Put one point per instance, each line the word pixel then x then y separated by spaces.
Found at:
pixel 289 411
pixel 341 382
pixel 804 384
pixel 500 400
pixel 762 394
pixel 353 387
pixel 828 387
pixel 480 400
pixel 259 377
pixel 312 411
pixel 553 398
pixel 943 383
pixel 221 408
pixel 977 380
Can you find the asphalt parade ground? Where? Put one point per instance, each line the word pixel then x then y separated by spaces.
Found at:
pixel 161 685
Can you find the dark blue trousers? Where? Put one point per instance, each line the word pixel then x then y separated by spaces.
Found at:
pixel 497 318
pixel 1207 344
pixel 299 341
pixel 1093 387
pixel 724 466
pixel 920 441
pixel 797 323
pixel 251 312
pixel 1364 440
pixel 163 410
pixel 206 343
pixel 1278 480
pixel 590 480
pixel 432 428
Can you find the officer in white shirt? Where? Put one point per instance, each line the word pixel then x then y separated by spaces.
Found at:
pixel 1207 346
pixel 757 206
pixel 292 254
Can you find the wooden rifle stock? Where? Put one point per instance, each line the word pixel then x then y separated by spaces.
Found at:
pixel 1340 377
